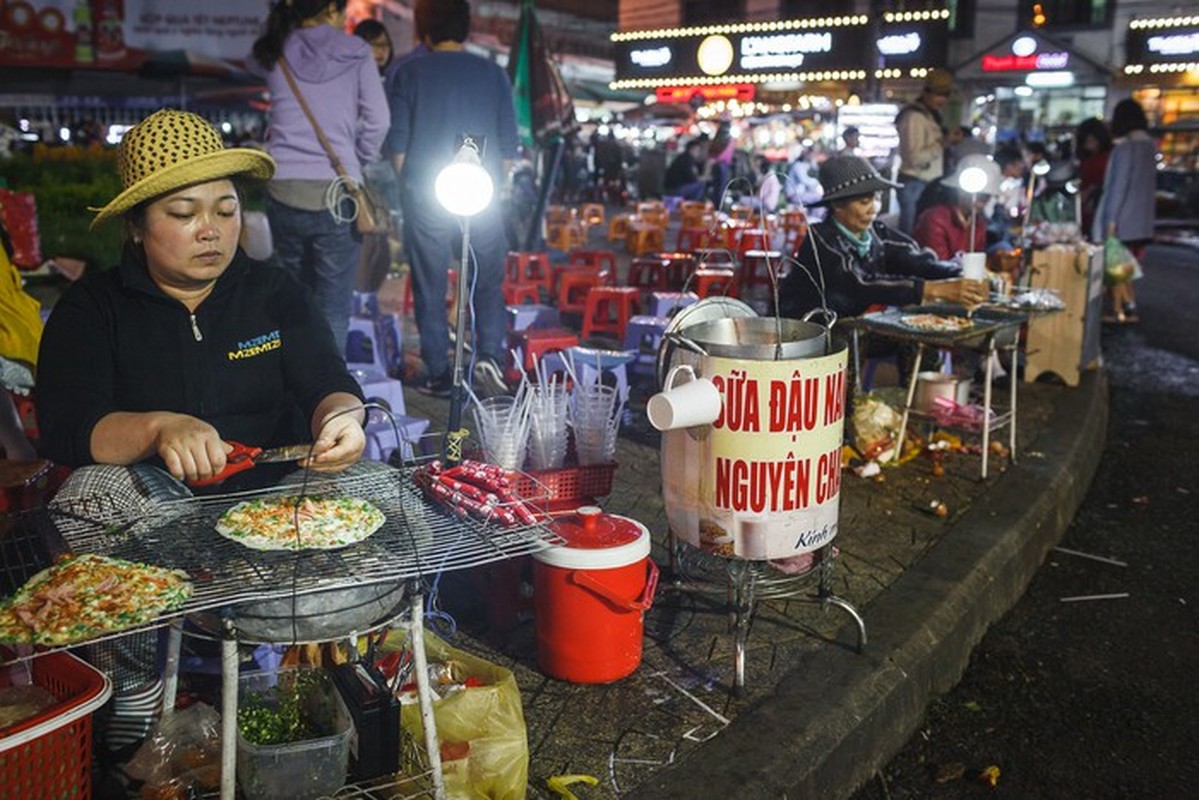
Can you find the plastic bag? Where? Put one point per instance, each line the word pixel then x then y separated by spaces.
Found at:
pixel 1119 264
pixel 484 743
pixel 183 749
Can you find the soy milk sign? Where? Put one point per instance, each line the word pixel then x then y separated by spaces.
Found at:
pixel 763 481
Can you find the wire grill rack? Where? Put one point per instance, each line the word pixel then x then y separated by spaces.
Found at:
pixel 987 321
pixel 418 539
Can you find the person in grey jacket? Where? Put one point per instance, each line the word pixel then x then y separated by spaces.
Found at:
pixel 311 216
pixel 1126 203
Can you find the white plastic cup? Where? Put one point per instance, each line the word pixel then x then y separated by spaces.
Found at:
pixel 694 402
pixel 974 266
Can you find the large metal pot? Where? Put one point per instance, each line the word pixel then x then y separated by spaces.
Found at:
pixel 757 338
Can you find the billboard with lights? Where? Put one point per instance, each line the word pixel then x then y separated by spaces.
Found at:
pixel 840 48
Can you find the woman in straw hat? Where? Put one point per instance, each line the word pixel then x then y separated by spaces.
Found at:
pixel 188 343
pixel 849 261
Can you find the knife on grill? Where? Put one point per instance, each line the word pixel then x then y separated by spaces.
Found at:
pixel 247 456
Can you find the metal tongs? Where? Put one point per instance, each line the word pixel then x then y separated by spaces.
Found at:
pixel 247 456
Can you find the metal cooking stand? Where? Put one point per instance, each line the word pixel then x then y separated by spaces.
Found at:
pixel 416 540
pixel 747 581
pixel 984 336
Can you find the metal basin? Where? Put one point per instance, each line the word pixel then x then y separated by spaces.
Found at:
pixel 754 338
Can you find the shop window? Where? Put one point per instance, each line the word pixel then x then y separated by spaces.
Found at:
pixel 1051 14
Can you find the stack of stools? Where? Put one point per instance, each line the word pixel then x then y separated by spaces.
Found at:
pixel 585 270
pixel 643 336
pixel 648 273
pixel 756 266
pixel 609 309
pixel 712 282
pixel 533 344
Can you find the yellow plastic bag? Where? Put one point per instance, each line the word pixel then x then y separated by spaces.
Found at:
pixel 484 743
pixel 20 317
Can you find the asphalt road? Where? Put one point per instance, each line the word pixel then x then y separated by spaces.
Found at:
pixel 1070 697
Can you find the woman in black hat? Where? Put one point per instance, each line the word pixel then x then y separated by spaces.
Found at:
pixel 850 261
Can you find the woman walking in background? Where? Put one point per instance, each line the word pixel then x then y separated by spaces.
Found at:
pixel 311 215
pixel 1126 204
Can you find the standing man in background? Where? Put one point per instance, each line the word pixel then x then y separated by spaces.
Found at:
pixel 439 98
pixel 921 144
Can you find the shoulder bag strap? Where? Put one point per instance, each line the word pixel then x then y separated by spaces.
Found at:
pixel 320 133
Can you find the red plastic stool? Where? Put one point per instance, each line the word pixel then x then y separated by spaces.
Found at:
pixel 597 260
pixel 679 267
pixel 573 287
pixel 756 266
pixel 609 308
pixel 752 239
pixel 451 292
pixel 696 239
pixel 516 294
pixel 648 273
pixel 529 267
pixel 714 282
pixel 533 344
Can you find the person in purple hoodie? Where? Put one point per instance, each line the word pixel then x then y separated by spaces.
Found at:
pixel 310 213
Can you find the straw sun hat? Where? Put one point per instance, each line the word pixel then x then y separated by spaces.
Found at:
pixel 172 149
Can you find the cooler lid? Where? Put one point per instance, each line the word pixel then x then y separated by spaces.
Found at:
pixel 595 540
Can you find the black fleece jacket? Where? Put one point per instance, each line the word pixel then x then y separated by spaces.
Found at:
pixel 254 360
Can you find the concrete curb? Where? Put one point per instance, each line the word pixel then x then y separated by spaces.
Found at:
pixel 841 716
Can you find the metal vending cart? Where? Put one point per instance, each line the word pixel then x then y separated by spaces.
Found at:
pixel 756 486
pixel 248 596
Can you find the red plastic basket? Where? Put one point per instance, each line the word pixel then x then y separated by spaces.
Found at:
pixel 556 489
pixel 49 755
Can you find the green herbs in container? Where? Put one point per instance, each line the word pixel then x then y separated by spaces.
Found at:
pixel 294 735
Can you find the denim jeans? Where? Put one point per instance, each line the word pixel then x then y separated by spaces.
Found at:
pixel 433 239
pixel 909 197
pixel 323 254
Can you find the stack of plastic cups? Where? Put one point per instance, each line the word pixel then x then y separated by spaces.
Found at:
pixel 547 426
pixel 503 428
pixel 596 421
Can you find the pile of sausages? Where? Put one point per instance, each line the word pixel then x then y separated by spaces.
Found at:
pixel 475 489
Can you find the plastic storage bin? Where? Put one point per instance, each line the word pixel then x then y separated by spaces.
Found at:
pixel 303 770
pixel 50 754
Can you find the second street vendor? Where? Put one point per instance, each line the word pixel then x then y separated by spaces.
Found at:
pixel 850 261
pixel 188 343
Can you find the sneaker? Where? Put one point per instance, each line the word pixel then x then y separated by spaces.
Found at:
pixel 441 386
pixel 489 378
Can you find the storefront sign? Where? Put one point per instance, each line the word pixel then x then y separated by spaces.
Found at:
pixel 117 34
pixel 1015 63
pixel 1167 41
pixel 835 48
pixel 911 40
pixel 741 92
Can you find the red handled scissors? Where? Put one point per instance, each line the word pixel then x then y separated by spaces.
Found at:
pixel 245 456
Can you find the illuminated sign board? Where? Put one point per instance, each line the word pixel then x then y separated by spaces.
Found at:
pixel 1172 40
pixel 741 92
pixel 1015 63
pixel 818 48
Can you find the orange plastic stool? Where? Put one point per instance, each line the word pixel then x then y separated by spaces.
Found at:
pixel 618 228
pixel 714 282
pixel 644 237
pixel 565 235
pixel 592 213
pixel 573 288
pixel 609 309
